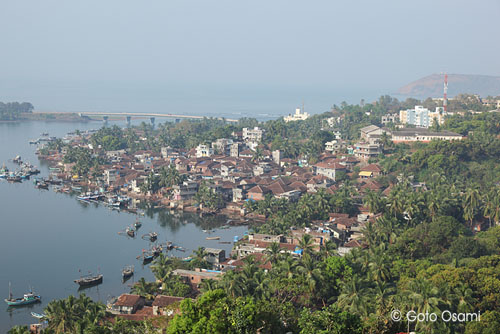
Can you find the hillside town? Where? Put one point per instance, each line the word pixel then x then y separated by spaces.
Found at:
pixel 346 195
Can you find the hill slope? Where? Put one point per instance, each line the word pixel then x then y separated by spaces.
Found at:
pixel 432 85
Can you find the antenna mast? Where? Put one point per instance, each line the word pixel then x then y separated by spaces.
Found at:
pixel 445 91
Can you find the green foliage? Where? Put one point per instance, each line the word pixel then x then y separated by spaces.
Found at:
pixel 11 111
pixel 330 320
pixel 208 197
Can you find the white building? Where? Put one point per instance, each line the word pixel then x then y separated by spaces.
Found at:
pixel 422 117
pixel 204 151
pixel 298 116
pixel 252 135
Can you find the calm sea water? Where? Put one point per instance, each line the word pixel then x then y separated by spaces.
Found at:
pixel 47 237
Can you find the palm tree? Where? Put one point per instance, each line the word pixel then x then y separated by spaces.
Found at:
pixel 374 202
pixel 208 285
pixel 287 266
pixel 354 296
pixel 60 315
pixel 261 285
pixel 273 252
pixel 310 274
pixel 145 289
pixel 306 244
pixel 161 267
pixel 471 202
pixel 328 249
pixel 19 330
pixel 379 267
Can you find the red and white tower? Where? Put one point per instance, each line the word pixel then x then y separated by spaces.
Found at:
pixel 445 90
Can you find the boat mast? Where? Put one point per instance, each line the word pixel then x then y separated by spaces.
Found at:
pixel 10 292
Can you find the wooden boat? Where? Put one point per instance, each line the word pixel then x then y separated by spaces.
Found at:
pixel 224 242
pixel 170 245
pixel 148 258
pixel 42 185
pixel 152 236
pixel 38 315
pixel 212 238
pixel 14 178
pixel 137 224
pixel 127 272
pixel 28 298
pixel 89 280
pixel 130 232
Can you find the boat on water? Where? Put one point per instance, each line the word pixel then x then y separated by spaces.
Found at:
pixel 89 280
pixel 38 315
pixel 130 232
pixel 28 298
pixel 42 185
pixel 212 238
pixel 127 272
pixel 147 258
pixel 14 178
pixel 137 224
pixel 152 236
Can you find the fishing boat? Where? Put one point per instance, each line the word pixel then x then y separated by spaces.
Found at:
pixel 152 236
pixel 14 178
pixel 147 257
pixel 127 272
pixel 38 315
pixel 170 245
pixel 137 224
pixel 42 185
pixel 89 280
pixel 130 232
pixel 28 298
pixel 212 238
pixel 156 250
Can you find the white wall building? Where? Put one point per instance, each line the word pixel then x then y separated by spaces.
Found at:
pixel 298 116
pixel 422 117
pixel 253 135
pixel 204 151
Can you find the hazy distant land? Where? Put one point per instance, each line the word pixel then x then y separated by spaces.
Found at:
pixel 432 85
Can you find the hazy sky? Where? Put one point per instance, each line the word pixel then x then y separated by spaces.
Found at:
pixel 167 54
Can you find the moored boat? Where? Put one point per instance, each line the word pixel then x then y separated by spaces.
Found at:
pixel 89 280
pixel 28 298
pixel 38 315
pixel 212 238
pixel 127 272
pixel 130 232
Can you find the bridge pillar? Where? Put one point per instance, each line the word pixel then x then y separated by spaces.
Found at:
pixel 128 121
pixel 105 120
pixel 152 121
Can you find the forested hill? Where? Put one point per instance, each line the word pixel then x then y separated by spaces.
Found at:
pixel 432 85
pixel 12 110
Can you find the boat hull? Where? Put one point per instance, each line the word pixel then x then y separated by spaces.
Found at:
pixel 84 283
pixel 22 302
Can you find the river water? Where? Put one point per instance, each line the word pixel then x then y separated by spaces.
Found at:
pixel 46 238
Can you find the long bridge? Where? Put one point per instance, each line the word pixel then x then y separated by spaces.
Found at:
pixel 130 115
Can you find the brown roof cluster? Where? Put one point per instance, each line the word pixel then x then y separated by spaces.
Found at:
pixel 128 300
